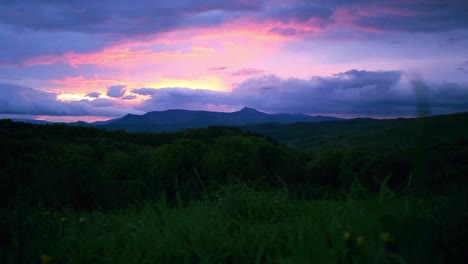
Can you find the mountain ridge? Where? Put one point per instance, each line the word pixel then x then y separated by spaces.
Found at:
pixel 178 119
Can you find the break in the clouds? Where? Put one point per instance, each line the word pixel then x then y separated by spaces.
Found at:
pixel 89 56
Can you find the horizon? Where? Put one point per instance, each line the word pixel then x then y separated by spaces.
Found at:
pixel 76 119
pixel 94 61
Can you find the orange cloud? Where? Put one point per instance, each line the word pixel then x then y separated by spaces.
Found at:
pixel 79 86
pixel 238 45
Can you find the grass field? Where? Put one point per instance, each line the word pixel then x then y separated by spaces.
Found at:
pixel 242 225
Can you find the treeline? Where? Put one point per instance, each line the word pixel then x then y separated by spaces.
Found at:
pixel 84 168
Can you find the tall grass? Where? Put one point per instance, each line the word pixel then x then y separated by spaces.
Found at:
pixel 243 225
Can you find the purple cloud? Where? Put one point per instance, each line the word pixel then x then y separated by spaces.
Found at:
pixel 26 27
pixel 116 91
pixel 318 14
pixel 248 72
pixel 222 68
pixel 93 95
pixel 100 102
pixel 117 16
pixel 183 98
pixel 20 100
pixel 463 67
pixel 144 91
pixel 365 93
pixel 285 31
pixel 129 97
pixel 354 92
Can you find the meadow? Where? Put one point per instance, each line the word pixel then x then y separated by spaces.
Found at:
pixel 224 195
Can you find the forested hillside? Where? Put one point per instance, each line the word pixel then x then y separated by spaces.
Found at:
pixel 379 184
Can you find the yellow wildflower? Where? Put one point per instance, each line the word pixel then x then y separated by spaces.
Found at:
pixel 360 240
pixel 46 259
pixel 386 237
pixel 346 235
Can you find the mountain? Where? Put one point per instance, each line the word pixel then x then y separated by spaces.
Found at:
pixel 367 132
pixel 173 120
pixel 31 121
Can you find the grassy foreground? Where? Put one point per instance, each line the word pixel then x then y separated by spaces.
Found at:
pixel 242 225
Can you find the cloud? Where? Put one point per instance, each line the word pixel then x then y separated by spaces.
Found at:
pixel 19 44
pixel 93 95
pixel 183 98
pixel 354 92
pixel 248 72
pixel 222 68
pixel 417 16
pixel 119 16
pixel 26 27
pixel 100 102
pixel 129 97
pixel 285 31
pixel 398 16
pixel 20 100
pixel 144 91
pixel 463 67
pixel 116 91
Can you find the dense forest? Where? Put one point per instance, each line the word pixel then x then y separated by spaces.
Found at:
pixel 356 191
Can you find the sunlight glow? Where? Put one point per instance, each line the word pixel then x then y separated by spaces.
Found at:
pixel 67 97
pixel 207 83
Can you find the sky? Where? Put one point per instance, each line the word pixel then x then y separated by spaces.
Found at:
pixel 96 60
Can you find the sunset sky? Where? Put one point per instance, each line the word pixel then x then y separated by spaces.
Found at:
pixel 95 60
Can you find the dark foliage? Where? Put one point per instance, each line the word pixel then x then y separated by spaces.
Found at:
pixel 80 167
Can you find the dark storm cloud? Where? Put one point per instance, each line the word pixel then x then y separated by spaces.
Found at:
pixel 116 91
pixel 353 92
pixel 22 100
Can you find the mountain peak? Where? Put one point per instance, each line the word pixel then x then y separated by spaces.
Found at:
pixel 249 110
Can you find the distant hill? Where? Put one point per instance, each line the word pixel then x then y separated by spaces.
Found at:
pixel 174 120
pixel 388 133
pixel 31 121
